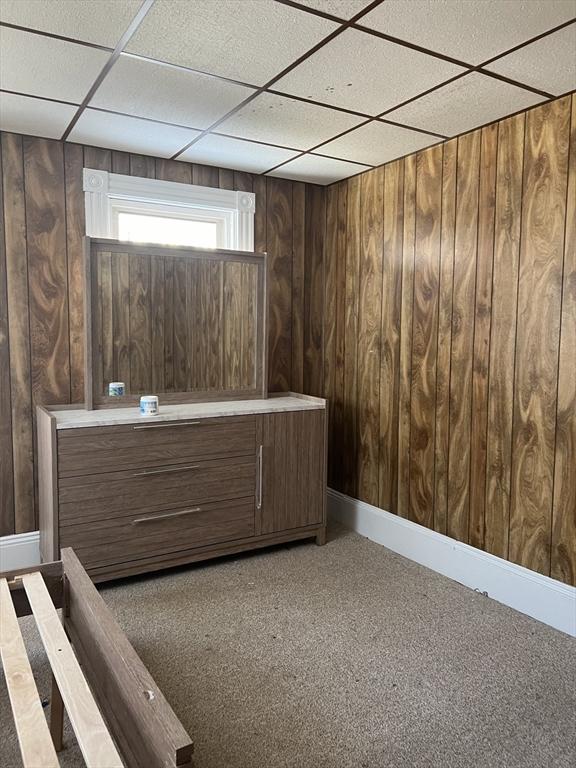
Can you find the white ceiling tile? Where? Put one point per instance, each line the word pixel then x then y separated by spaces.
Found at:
pixel 34 117
pixel 548 64
pixel 103 22
pixel 468 31
pixel 376 143
pixel 42 66
pixel 102 129
pixel 146 89
pixel 317 170
pixel 249 41
pixel 287 122
pixel 359 71
pixel 236 153
pixel 343 9
pixel 465 104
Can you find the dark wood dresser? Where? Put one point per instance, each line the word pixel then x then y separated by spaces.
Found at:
pixel 133 494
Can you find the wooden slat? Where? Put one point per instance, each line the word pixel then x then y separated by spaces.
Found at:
pixel 483 308
pixel 34 738
pixel 444 335
pixel 234 305
pixel 16 257
pixel 173 170
pixel 158 314
pixel 91 732
pixel 405 372
pixel 538 333
pixel 279 247
pixel 330 312
pixel 205 175
pixel 120 266
pixel 390 334
pixel 225 178
pixel 106 320
pixel 465 246
pixel 424 335
pixel 298 277
pixel 143 166
pixel 313 291
pixel 120 162
pixel 6 460
pixel 97 158
pixel 75 232
pixel 563 566
pixel 503 333
pixel 335 448
pixel 350 425
pixel 140 324
pixel 369 329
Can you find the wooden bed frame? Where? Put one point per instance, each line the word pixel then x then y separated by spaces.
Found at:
pixel 118 714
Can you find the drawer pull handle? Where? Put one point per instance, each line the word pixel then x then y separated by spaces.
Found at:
pixel 153 518
pixel 259 485
pixel 169 424
pixel 164 471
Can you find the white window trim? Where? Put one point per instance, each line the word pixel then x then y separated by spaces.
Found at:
pixel 105 194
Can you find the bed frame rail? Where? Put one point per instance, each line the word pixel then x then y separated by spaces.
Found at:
pixel 144 727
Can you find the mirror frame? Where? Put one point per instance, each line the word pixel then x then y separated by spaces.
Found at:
pixel 95 399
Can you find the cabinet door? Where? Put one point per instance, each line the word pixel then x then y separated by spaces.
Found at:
pixel 293 470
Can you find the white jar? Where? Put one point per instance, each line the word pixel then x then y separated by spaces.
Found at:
pixel 116 389
pixel 148 405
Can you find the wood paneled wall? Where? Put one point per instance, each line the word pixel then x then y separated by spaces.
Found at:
pixel 41 294
pixel 450 338
pixel 432 300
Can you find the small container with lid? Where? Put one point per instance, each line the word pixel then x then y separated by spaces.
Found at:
pixel 116 389
pixel 149 405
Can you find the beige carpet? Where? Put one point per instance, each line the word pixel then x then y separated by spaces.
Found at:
pixel 343 656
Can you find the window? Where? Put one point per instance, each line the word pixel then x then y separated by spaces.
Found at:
pixel 165 212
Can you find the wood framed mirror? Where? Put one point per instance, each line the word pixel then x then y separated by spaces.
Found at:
pixel 182 323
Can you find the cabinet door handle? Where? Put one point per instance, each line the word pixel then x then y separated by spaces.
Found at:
pixel 164 471
pixel 259 483
pixel 153 518
pixel 168 424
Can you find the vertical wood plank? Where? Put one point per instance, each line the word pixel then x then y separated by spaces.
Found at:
pixel 243 182
pixel 329 314
pixel 234 307
pixel 443 367
pixel 179 324
pixel 408 243
pixel 563 566
pixel 482 314
pixel 279 241
pixel 120 162
pixel 169 308
pixel 390 333
pixel 6 460
pixel 205 175
pixel 350 431
pixel 158 311
pixel 259 184
pixel 313 290
pixel 16 260
pixel 140 330
pixel 97 158
pixel 503 333
pixel 225 178
pixel 75 232
pixel 173 170
pixel 298 272
pixel 141 165
pixel 120 265
pixel 338 448
pixel 369 329
pixel 425 335
pixel 106 319
pixel 465 247
pixel 538 333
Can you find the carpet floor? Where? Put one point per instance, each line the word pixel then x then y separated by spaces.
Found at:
pixel 343 656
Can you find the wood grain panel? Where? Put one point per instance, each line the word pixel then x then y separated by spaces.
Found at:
pixel 481 362
pixel 225 178
pixel 424 335
pixel 75 231
pixel 234 305
pixel 563 566
pixel 369 330
pixel 336 466
pixel 405 363
pixel 444 344
pixel 158 310
pixel 314 290
pixel 47 270
pixel 180 324
pixel 352 282
pixel 106 318
pixel 279 245
pixel 465 247
pixel 97 158
pixel 503 333
pixel 6 460
pixel 172 170
pixel 330 305
pixel 120 286
pixel 298 277
pixel 120 162
pixel 140 329
pixel 141 165
pixel 390 334
pixel 538 333
pixel 19 391
pixel 205 175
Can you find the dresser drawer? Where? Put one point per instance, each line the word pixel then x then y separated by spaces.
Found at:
pixel 118 494
pixel 141 535
pixel 106 449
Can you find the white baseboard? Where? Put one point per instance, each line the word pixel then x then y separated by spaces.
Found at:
pixel 538 596
pixel 19 551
